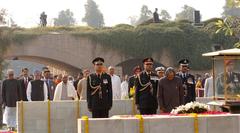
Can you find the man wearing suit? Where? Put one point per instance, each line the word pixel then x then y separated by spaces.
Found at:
pixel 24 80
pixel 188 81
pixel 146 89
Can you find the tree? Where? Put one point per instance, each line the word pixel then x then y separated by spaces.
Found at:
pixel 3 14
pixel 230 26
pixel 186 14
pixel 233 3
pixel 165 15
pixel 93 16
pixel 65 18
pixel 145 15
pixel 231 8
pixel 133 20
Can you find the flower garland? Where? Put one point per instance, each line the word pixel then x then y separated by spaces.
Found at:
pixel 192 107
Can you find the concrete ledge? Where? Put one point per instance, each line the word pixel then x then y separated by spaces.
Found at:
pixel 64 115
pixel 164 124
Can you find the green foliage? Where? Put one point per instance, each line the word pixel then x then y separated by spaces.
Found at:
pixel 93 16
pixel 232 3
pixel 231 8
pixel 180 39
pixel 230 27
pixel 65 18
pixel 206 22
pixel 220 37
pixel 4 42
pixel 3 14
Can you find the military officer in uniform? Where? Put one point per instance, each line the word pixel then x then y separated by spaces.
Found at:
pixel 132 81
pixel 188 81
pixel 99 91
pixel 232 80
pixel 160 72
pixel 146 89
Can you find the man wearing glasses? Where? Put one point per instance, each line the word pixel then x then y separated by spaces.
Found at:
pixel 146 89
pixel 188 81
pixel 99 91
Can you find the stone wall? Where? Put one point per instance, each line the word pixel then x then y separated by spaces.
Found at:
pixel 63 51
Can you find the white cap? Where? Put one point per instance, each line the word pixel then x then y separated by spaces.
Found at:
pixel 160 69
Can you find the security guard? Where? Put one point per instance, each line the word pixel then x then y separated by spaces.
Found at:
pixel 146 89
pixel 99 91
pixel 188 81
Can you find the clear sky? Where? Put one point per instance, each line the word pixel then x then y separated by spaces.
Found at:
pixel 26 12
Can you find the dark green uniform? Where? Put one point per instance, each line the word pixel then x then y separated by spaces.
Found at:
pixel 146 93
pixel 99 95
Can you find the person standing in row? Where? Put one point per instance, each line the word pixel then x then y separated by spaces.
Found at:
pixel 188 81
pixel 146 89
pixel 37 89
pixel 99 91
pixel 160 72
pixel 24 80
pixel 58 79
pixel 132 81
pixel 50 83
pixel 170 93
pixel 76 81
pixel 82 85
pixel 116 83
pixel 11 93
pixel 65 90
pixel 124 88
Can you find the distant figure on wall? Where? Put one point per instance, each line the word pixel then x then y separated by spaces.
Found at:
pixel 156 16
pixel 43 19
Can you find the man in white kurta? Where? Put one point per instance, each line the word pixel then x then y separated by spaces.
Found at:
pixel 208 87
pixel 82 85
pixel 116 83
pixel 124 88
pixel 65 90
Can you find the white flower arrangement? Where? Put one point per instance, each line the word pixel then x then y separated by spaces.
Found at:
pixel 192 107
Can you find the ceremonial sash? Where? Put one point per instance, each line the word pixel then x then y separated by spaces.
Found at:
pixel 96 88
pixel 145 86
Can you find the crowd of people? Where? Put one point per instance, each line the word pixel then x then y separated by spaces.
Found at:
pixel 150 89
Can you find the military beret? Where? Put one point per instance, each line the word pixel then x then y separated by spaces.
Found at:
pixel 98 59
pixel 148 59
pixel 184 62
